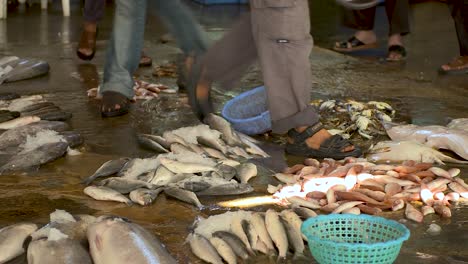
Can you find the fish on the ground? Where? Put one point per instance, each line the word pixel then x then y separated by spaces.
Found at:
pixel 246 171
pixel 102 193
pixel 18 122
pixel 144 196
pixel 203 249
pixel 183 195
pixel 277 232
pixel 223 249
pixel 183 167
pixel 231 188
pixel 124 185
pixel 12 238
pixel 234 242
pixel 223 126
pixel 149 143
pixel 26 69
pixel 108 168
pixel 115 240
pixel 16 136
pixel 56 116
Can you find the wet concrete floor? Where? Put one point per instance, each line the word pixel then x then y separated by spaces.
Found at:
pixel 414 88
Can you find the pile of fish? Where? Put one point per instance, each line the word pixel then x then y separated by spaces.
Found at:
pixel 29 140
pixel 349 117
pixel 356 185
pixel 143 91
pixel 82 239
pixel 454 137
pixel 243 234
pixel 17 110
pixel 14 69
pixel 194 161
pixel 168 69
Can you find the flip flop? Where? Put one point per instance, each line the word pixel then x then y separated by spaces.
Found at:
pixel 457 66
pixel 397 49
pixel 87 41
pixel 200 106
pixel 109 100
pixel 330 148
pixel 353 44
pixel 145 61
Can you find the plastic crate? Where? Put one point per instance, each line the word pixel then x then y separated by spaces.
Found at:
pixel 219 2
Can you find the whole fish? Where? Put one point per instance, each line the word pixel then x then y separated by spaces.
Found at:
pixel 258 222
pixel 231 188
pixel 252 146
pixel 203 249
pixel 144 196
pixel 12 238
pixel 294 220
pixel 277 232
pixel 102 193
pixel 234 242
pixel 17 136
pixel 36 106
pixel 36 157
pixel 150 144
pixel 137 167
pixel 214 143
pixel 124 185
pixel 294 239
pixel 182 167
pixel 304 213
pixel 224 250
pixel 246 171
pixel 57 252
pixel 413 214
pixel 223 126
pixel 117 241
pixel 183 195
pixel 20 121
pixel 26 69
pixel 108 168
pixel 56 116
pixel 408 150
pixel 40 111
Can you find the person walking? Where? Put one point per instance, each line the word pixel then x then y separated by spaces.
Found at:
pixel 365 38
pixel 127 41
pixel 277 33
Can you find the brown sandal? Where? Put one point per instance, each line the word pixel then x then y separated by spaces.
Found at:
pixel 87 41
pixel 457 66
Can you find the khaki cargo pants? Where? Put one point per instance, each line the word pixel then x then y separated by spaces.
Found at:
pixel 277 33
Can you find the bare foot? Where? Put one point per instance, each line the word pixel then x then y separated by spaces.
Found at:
pixel 366 36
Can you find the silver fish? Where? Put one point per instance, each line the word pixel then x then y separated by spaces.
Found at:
pixel 144 196
pixel 224 171
pixel 246 171
pixel 57 252
pixel 304 213
pixel 26 69
pixel 36 157
pixel 294 238
pixel 211 152
pixel 18 122
pixel 224 250
pixel 162 176
pixel 182 167
pixel 151 144
pixel 223 126
pixel 12 239
pixel 116 241
pixel 236 244
pixel 203 249
pixel 258 223
pixel 183 195
pixel 108 168
pixel 277 233
pixel 16 136
pixel 123 185
pixel 102 193
pixel 227 189
pixel 214 143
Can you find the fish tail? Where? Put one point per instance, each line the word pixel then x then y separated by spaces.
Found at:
pixel 88 180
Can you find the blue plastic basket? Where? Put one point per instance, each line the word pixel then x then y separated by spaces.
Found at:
pixel 248 112
pixel 346 238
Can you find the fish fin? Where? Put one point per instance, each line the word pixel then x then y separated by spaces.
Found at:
pixel 88 180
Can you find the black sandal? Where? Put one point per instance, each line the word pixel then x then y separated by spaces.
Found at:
pixel 200 106
pixel 398 49
pixel 330 148
pixel 353 44
pixel 109 100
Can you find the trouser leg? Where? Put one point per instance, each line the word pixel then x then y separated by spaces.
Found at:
pixel 359 19
pixel 398 16
pixel 94 10
pixel 459 11
pixel 124 47
pixel 181 24
pixel 284 44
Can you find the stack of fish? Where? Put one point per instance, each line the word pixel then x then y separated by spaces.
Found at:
pixel 16 109
pixel 350 117
pixel 242 234
pixel 356 185
pixel 13 68
pixel 143 91
pixel 82 239
pixel 195 161
pixel 168 69
pixel 454 137
pixel 27 141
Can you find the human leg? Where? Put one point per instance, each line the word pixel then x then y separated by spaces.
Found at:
pixel 93 12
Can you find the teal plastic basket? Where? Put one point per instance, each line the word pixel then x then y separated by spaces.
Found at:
pixel 347 238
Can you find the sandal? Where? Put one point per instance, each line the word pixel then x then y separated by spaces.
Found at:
pixel 457 66
pixel 198 92
pixel 112 99
pixel 397 49
pixel 145 61
pixel 330 148
pixel 87 41
pixel 353 44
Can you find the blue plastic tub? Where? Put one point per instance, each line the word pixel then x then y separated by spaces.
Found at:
pixel 217 2
pixel 350 239
pixel 248 112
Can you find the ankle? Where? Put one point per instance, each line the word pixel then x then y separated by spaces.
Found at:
pixel 366 36
pixel 395 39
pixel 90 26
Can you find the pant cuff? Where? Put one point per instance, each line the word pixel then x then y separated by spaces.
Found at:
pixel 119 88
pixel 306 117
